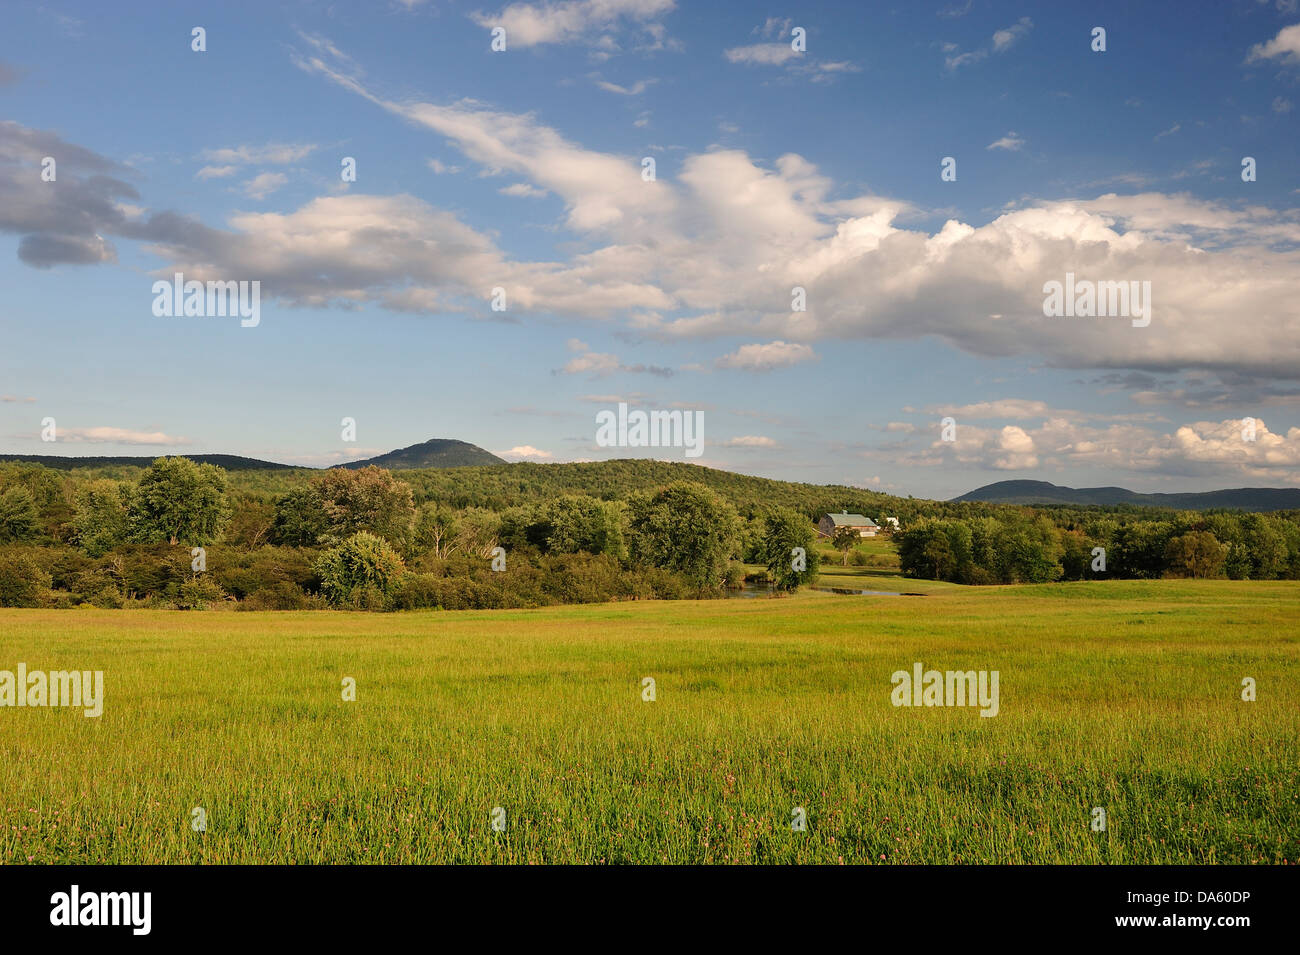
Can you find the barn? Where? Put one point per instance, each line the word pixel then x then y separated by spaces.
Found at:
pixel 830 523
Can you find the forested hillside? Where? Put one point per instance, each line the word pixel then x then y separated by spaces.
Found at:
pixel 1041 492
pixel 186 535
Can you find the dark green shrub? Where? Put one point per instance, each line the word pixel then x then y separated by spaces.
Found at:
pixel 361 573
pixel 284 595
pixel 198 593
pixel 22 582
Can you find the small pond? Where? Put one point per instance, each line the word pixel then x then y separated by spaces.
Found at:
pixel 752 589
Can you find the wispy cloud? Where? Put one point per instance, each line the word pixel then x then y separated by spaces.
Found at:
pixel 523 189
pixel 272 154
pixel 1001 41
pixel 261 186
pixel 761 54
pixel 216 172
pixel 783 54
pixel 1010 142
pixel 636 89
pixel 1004 39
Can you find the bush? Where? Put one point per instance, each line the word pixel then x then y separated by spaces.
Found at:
pixel 22 582
pixel 98 588
pixel 429 592
pixel 419 592
pixel 199 593
pixel 153 570
pixel 243 573
pixel 107 598
pixel 68 567
pixel 580 578
pixel 655 583
pixel 283 595
pixel 362 573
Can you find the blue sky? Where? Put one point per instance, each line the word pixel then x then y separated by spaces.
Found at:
pixel 521 169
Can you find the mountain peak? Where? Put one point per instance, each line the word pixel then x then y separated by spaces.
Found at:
pixel 434 453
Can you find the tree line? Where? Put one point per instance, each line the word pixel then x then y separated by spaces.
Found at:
pixel 1029 546
pixel 531 535
pixel 180 536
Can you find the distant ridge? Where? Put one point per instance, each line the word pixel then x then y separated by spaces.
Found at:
pixel 231 462
pixel 434 453
pixel 1041 492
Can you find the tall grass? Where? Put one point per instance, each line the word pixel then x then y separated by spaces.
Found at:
pixel 1120 695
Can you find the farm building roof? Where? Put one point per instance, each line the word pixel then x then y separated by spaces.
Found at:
pixel 845 519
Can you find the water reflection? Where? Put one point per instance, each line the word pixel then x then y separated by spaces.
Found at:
pixel 753 589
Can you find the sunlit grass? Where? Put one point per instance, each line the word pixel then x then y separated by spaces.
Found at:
pixel 1123 695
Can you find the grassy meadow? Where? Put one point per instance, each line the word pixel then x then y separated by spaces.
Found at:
pixel 1123 695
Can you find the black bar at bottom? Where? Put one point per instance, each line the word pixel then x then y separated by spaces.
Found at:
pixel 333 904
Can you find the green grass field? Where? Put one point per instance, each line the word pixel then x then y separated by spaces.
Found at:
pixel 1120 695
